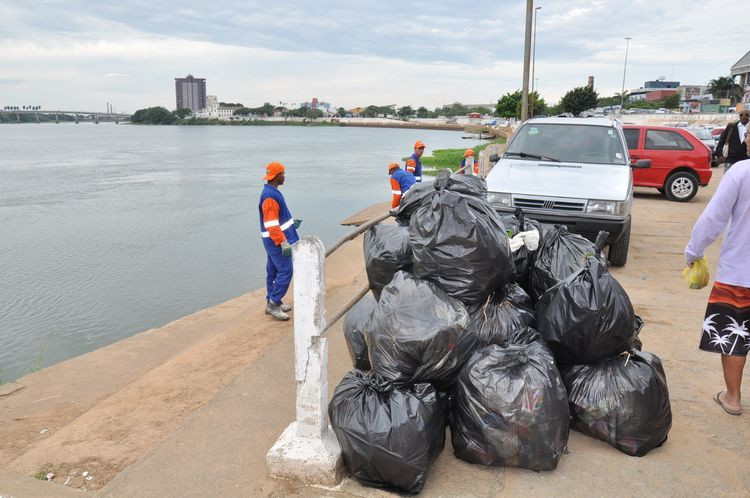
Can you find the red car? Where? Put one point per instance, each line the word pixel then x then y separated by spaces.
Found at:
pixel 680 163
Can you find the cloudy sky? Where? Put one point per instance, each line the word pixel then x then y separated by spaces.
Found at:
pixel 80 54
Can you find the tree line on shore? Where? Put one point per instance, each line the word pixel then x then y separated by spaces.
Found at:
pixel 575 101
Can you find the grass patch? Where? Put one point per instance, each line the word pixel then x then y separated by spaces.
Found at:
pixel 451 158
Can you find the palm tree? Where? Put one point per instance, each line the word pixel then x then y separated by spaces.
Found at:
pixel 736 330
pixel 721 341
pixel 708 325
pixel 725 87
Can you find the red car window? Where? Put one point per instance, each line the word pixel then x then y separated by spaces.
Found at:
pixel 631 137
pixel 666 140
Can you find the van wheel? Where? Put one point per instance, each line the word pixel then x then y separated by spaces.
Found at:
pixel 681 186
pixel 618 252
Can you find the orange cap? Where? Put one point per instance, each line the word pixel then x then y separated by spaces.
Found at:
pixel 272 170
pixel 419 144
pixel 469 152
pixel 392 166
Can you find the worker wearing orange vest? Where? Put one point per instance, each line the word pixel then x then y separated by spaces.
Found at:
pixel 468 165
pixel 401 181
pixel 414 163
pixel 278 230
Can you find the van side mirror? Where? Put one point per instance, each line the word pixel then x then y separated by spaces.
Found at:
pixel 494 158
pixel 641 164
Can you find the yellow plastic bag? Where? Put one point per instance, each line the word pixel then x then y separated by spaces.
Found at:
pixel 697 274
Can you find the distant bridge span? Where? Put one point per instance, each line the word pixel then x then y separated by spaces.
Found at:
pixel 79 115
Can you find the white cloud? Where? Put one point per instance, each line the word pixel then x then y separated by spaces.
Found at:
pixel 416 53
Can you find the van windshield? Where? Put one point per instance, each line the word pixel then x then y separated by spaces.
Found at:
pixel 567 143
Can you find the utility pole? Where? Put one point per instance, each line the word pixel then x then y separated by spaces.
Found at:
pixel 526 61
pixel 624 69
pixel 533 62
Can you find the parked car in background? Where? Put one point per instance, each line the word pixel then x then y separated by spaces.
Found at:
pixel 705 136
pixel 680 163
pixel 716 132
pixel 570 171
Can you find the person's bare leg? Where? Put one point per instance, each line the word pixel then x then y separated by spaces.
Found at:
pixel 733 366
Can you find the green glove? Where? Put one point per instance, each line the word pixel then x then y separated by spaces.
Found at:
pixel 286 249
pixel 297 223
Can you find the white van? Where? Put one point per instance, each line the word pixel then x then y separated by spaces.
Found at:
pixel 569 171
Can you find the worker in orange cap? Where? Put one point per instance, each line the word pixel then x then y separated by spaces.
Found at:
pixel 414 163
pixel 279 232
pixel 468 166
pixel 401 181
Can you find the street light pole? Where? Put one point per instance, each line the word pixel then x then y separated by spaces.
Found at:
pixel 526 61
pixel 533 61
pixel 624 69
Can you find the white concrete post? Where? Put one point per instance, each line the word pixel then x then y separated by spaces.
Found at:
pixel 307 451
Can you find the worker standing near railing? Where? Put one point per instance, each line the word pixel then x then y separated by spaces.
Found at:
pixel 401 181
pixel 468 166
pixel 279 232
pixel 414 163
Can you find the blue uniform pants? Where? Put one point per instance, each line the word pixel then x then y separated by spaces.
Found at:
pixel 278 272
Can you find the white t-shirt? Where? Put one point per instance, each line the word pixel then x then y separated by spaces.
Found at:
pixel 742 130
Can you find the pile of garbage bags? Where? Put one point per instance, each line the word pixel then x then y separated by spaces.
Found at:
pixel 486 311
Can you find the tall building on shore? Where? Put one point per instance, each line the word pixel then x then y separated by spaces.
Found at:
pixel 190 93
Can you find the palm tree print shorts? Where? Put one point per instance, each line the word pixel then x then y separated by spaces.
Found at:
pixel 725 328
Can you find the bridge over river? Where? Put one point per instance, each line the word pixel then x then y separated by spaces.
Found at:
pixel 78 116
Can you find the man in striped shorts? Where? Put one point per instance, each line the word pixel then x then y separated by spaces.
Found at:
pixel 726 327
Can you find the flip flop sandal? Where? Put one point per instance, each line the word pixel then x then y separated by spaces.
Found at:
pixel 725 407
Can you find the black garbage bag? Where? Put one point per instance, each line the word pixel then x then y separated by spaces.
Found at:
pixel 459 242
pixel 411 201
pixel 389 435
pixel 523 258
pixel 419 333
pixel 464 184
pixel 635 341
pixel 419 192
pixel 561 254
pixel 357 324
pixel 622 400
pixel 502 316
pixel 586 317
pixel 511 408
pixel 386 250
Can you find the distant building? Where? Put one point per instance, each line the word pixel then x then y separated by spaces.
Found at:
pixel 212 102
pixel 741 68
pixel 659 95
pixel 190 93
pixel 691 92
pixel 590 83
pixel 660 84
pixel 637 94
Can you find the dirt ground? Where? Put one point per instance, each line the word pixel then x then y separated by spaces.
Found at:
pixel 191 408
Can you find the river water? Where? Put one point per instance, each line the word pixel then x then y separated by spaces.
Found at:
pixel 108 230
